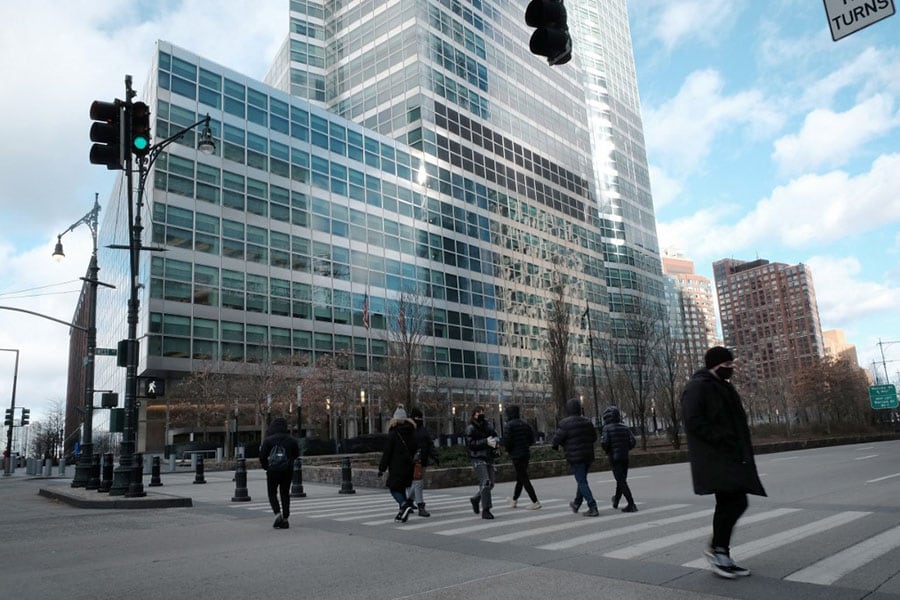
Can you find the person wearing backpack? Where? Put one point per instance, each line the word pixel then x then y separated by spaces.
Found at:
pixel 276 456
pixel 617 440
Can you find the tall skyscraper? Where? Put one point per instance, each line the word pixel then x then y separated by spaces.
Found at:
pixel 769 316
pixel 692 316
pixel 407 147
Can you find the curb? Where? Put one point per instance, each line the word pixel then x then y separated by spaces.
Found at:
pixel 81 500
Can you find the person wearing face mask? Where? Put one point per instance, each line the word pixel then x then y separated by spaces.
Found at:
pixel 481 441
pixel 720 452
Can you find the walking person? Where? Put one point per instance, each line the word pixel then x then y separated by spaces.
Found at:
pixel 518 441
pixel 424 454
pixel 617 440
pixel 481 441
pixel 397 459
pixel 577 435
pixel 720 452
pixel 276 456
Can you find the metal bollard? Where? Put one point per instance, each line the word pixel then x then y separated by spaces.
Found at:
pixel 297 481
pixel 346 477
pixel 198 477
pixel 106 480
pixel 155 481
pixel 93 481
pixel 48 467
pixel 240 482
pixel 136 486
pixel 61 470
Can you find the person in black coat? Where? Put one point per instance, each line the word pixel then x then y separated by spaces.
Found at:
pixel 424 455
pixel 518 441
pixel 577 435
pixel 481 441
pixel 617 440
pixel 278 482
pixel 397 459
pixel 720 452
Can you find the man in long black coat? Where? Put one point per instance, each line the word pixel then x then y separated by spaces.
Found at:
pixel 720 452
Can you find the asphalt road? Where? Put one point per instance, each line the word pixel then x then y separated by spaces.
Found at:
pixel 829 529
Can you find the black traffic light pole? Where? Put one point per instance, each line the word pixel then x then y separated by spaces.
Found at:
pixel 12 408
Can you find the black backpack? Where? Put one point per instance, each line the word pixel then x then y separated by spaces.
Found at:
pixel 278 459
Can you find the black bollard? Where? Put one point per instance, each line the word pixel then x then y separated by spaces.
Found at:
pixel 94 476
pixel 346 477
pixel 155 481
pixel 198 477
pixel 240 482
pixel 297 481
pixel 136 486
pixel 106 480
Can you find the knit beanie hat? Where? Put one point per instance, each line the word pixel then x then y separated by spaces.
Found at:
pixel 400 413
pixel 717 355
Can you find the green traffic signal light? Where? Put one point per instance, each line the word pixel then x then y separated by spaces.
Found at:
pixel 140 143
pixel 140 128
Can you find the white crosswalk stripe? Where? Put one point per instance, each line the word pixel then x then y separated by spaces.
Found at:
pixel 552 527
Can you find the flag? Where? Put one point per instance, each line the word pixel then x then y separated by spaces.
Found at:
pixel 366 311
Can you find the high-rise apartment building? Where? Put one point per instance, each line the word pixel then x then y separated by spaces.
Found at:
pixel 769 316
pixel 398 148
pixel 692 316
pixel 837 346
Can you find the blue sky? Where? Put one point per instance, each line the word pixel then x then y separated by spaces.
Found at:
pixel 765 139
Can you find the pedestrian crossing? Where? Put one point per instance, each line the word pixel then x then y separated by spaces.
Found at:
pixel 808 545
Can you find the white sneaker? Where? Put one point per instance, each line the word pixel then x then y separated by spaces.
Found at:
pixel 511 503
pixel 534 506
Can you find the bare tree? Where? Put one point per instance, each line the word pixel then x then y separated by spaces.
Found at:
pixel 670 360
pixel 637 359
pixel 47 434
pixel 401 376
pixel 560 371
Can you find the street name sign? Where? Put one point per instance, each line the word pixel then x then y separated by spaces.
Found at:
pixel 883 396
pixel 849 16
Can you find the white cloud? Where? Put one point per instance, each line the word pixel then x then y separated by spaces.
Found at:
pixel 681 132
pixel 665 188
pixel 674 22
pixel 831 139
pixel 843 297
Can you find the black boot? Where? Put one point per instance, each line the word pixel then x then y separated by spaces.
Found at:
pixel 422 511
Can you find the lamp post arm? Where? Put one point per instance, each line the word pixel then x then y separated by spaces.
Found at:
pixel 90 219
pixel 155 149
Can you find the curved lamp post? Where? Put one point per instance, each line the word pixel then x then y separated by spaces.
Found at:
pixel 124 481
pixel 12 405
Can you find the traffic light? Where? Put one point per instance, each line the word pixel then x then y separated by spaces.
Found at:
pixel 8 421
pixel 109 133
pixel 26 416
pixel 551 38
pixel 140 129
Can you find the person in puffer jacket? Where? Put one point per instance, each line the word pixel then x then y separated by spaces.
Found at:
pixel 616 440
pixel 517 441
pixel 576 434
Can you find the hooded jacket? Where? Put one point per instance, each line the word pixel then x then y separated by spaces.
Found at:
pixel 477 434
pixel 616 439
pixel 277 435
pixel 519 435
pixel 576 434
pixel 397 458
pixel 718 437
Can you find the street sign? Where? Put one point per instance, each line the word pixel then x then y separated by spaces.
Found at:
pixel 883 396
pixel 849 16
pixel 105 351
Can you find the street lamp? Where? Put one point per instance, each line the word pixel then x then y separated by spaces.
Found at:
pixel 124 480
pixel 12 410
pixel 587 315
pixel 84 477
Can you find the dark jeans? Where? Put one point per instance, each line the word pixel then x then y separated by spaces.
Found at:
pixel 729 508
pixel 580 471
pixel 485 473
pixel 522 480
pixel 279 483
pixel 620 472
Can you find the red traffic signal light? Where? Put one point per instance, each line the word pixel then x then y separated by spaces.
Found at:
pixel 140 128
pixel 551 38
pixel 108 133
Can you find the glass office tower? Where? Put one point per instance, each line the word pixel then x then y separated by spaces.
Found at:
pixel 407 147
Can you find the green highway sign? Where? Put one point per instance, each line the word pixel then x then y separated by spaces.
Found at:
pixel 883 396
